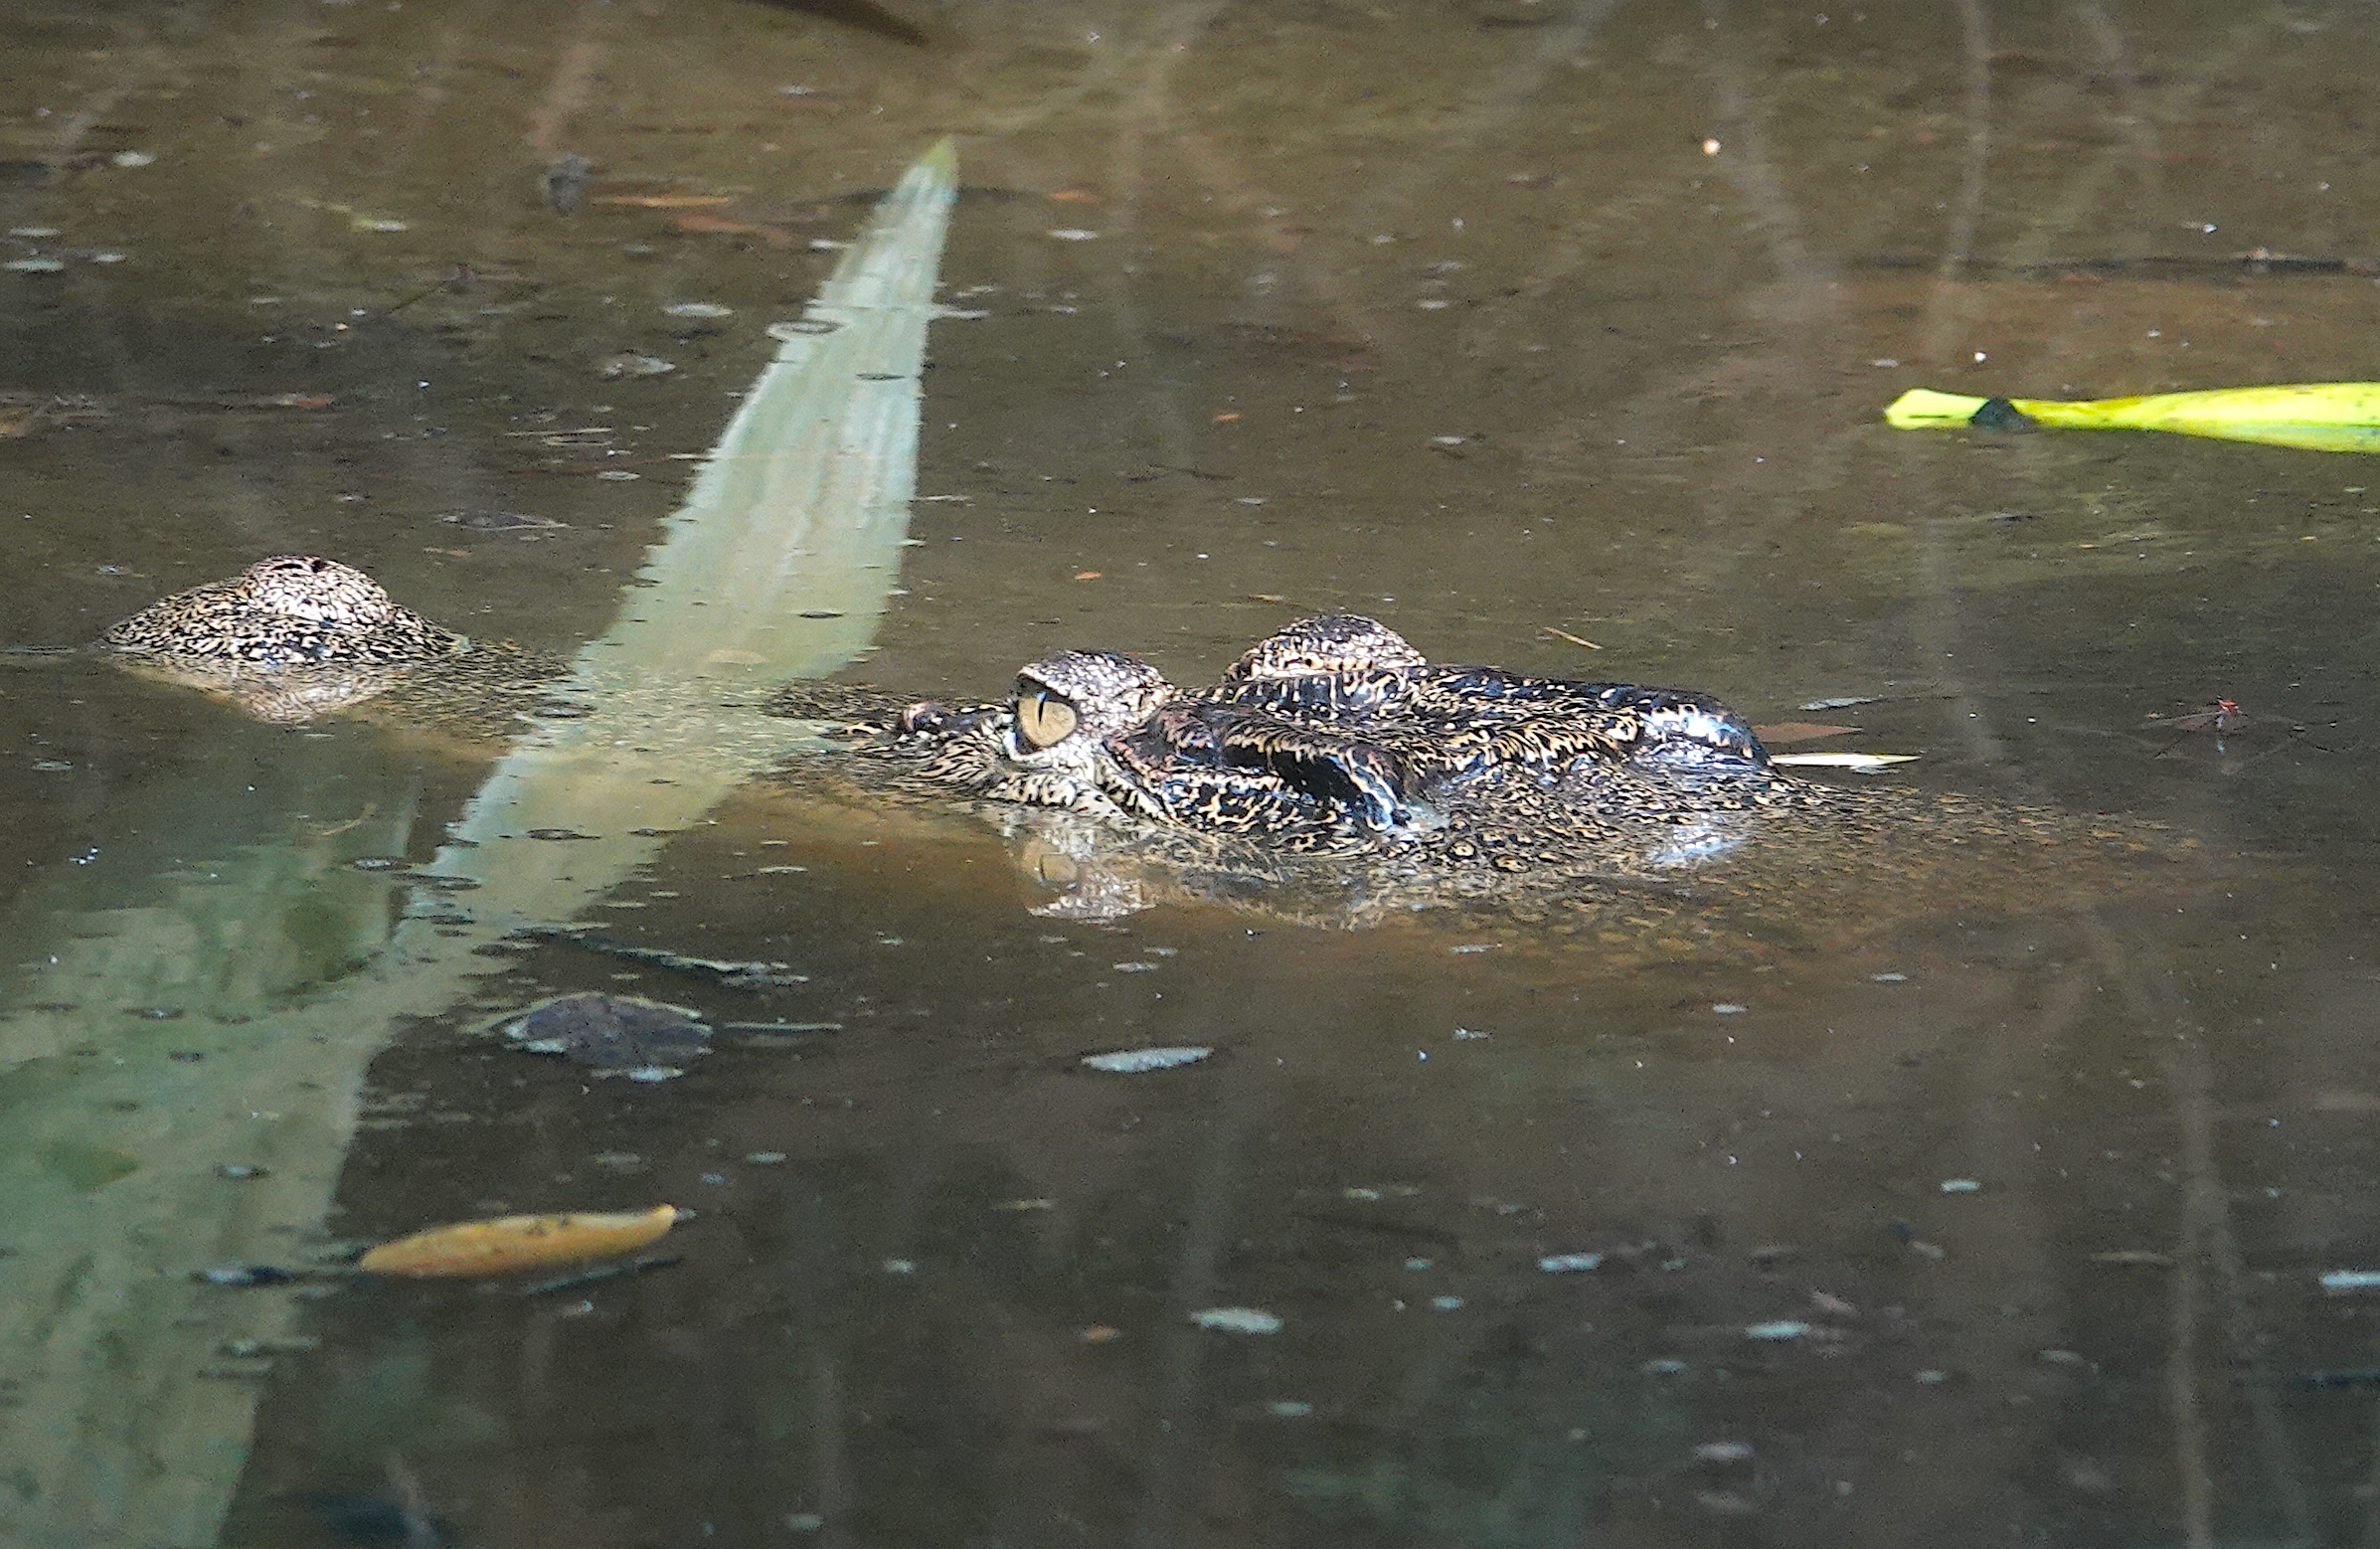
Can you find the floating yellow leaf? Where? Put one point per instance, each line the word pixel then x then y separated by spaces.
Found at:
pixel 509 1244
pixel 2315 415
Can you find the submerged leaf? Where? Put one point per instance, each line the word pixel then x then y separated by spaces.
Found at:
pixel 611 1035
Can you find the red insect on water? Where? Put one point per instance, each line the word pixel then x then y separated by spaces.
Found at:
pixel 2224 715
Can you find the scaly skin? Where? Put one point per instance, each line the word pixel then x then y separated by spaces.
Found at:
pixel 286 612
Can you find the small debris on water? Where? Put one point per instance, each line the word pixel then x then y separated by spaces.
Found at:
pixel 2145 1256
pixel 1779 732
pixel 244 1275
pixel 34 265
pixel 133 158
pixel 1933 1376
pixel 1730 1008
pixel 1569 1262
pixel 763 1158
pixel 1844 702
pixel 1446 1303
pixel 258 1349
pixel 1961 1186
pixel 1128 1062
pixel 1074 234
pixel 1779 1331
pixel 1134 967
pixel 241 1171
pixel 901 1265
pixel 35 231
pixel 1237 1321
pixel 628 363
pixel 698 309
pixel 1723 1451
pixel 1465 1034
pixel 1862 762
pixel 727 972
pixel 1890 978
pixel 2343 1282
pixel 1664 1366
pixel 1288 1409
pixel 501 522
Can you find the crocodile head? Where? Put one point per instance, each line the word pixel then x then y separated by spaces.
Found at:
pixel 288 610
pixel 1326 645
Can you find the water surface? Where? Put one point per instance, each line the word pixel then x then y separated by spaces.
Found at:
pixel 1493 319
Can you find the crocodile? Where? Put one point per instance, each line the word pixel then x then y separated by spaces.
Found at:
pixel 1336 776
pixel 1331 734
pixel 1333 773
pixel 295 637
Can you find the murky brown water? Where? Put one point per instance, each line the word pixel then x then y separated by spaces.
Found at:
pixel 1493 319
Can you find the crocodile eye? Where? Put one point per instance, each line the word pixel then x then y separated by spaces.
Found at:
pixel 1042 718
